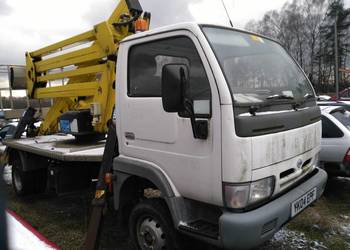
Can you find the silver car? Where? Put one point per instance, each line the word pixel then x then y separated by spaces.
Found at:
pixel 335 152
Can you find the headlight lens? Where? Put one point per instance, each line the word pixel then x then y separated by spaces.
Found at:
pixel 240 196
pixel 236 196
pixel 261 189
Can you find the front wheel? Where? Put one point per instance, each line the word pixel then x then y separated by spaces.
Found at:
pixel 151 227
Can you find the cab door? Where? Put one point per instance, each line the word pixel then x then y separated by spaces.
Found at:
pixel 149 133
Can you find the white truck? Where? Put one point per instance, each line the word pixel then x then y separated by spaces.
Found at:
pixel 218 138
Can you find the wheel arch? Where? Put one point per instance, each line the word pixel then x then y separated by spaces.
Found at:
pixel 29 161
pixel 15 154
pixel 132 177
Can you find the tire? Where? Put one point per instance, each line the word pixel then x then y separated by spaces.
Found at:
pixel 150 227
pixel 25 183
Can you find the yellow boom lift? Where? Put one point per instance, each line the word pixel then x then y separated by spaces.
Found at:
pixel 83 105
pixel 85 64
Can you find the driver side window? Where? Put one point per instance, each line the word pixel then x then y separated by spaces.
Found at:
pixel 145 67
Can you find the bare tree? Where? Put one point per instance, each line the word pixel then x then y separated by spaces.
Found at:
pixel 298 26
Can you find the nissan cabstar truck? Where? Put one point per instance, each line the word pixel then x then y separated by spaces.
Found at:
pixel 222 122
pixel 218 136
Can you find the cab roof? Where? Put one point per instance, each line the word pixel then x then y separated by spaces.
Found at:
pixel 191 26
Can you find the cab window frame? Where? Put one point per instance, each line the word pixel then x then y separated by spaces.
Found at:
pixel 195 52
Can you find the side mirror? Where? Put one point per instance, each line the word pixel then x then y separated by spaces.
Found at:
pixel 174 99
pixel 174 77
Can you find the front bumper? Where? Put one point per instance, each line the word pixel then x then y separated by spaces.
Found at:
pixel 250 229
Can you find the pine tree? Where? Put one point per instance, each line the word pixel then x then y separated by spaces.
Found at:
pixel 338 14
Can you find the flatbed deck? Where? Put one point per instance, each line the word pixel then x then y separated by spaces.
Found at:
pixel 59 147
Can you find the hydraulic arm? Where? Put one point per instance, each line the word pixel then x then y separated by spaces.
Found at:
pixel 79 73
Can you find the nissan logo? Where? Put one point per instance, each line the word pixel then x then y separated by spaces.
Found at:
pixel 299 163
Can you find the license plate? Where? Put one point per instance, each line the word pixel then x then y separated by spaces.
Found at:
pixel 65 126
pixel 301 203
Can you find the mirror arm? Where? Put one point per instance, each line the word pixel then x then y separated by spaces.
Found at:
pixel 199 128
pixel 189 109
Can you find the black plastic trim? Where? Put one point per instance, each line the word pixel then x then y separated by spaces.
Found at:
pixel 248 126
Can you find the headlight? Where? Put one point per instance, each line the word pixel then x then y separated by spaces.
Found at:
pixel 241 196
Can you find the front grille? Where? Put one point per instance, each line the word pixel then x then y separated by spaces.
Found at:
pixel 290 175
pixel 306 163
pixel 286 173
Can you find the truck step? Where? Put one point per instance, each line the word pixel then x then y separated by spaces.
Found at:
pixel 201 227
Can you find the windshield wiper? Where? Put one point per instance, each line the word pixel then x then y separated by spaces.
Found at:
pixel 297 105
pixel 308 96
pixel 279 97
pixel 254 108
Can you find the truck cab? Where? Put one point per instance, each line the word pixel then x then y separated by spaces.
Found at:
pixel 222 125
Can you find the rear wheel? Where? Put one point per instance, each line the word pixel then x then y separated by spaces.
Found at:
pixel 151 227
pixel 27 182
pixel 20 180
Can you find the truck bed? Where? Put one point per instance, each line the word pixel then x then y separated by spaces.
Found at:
pixel 59 147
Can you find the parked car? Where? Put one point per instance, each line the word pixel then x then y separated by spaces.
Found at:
pixel 335 143
pixel 323 98
pixel 334 104
pixel 7 131
pixel 344 96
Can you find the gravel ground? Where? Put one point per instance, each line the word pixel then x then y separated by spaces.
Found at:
pixel 63 220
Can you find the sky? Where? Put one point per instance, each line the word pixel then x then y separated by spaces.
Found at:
pixel 27 25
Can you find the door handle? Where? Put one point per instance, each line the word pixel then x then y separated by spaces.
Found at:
pixel 129 135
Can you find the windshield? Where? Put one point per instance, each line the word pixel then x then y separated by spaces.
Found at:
pixel 343 116
pixel 257 69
